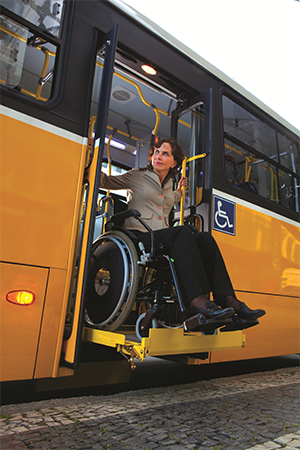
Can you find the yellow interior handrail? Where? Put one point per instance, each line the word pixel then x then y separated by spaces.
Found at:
pixel 47 53
pixel 183 174
pixel 43 73
pixel 12 33
pixel 155 108
pixel 109 173
pixel 157 121
pixel 123 133
pixel 274 184
pixel 92 124
pixel 21 38
pixel 248 168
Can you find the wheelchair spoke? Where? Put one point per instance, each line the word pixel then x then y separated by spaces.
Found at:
pixel 113 281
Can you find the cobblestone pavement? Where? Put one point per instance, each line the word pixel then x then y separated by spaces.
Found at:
pixel 258 411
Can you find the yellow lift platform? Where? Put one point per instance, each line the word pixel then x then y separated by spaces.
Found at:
pixel 166 341
pixel 162 342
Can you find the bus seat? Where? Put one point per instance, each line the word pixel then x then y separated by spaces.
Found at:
pixel 247 186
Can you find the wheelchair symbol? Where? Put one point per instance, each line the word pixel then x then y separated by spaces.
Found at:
pixel 221 218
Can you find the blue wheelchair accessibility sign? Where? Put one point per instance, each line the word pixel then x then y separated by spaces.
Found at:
pixel 224 215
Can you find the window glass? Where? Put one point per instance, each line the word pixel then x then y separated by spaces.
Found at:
pixel 27 61
pixel 242 125
pixel 27 58
pixel 288 154
pixel 46 14
pixel 250 147
pixel 288 190
pixel 13 40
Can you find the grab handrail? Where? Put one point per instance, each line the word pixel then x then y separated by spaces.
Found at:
pixel 183 171
pixel 109 173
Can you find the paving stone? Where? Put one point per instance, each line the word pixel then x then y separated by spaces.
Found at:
pixel 135 442
pixel 271 445
pixel 199 416
pixel 152 446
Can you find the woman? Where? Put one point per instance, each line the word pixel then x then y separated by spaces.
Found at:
pixel 199 263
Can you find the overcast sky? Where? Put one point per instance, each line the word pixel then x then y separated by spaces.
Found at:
pixel 254 42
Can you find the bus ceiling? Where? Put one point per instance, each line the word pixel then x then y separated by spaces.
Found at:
pixel 137 66
pixel 140 104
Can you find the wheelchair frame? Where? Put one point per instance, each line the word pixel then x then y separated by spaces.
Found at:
pixel 127 286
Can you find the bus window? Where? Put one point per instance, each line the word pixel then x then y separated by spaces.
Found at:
pixel 28 56
pixel 13 48
pixel 258 158
pixel 42 13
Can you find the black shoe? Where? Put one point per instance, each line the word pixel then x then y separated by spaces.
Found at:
pixel 212 311
pixel 249 314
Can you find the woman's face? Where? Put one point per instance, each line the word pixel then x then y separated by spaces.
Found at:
pixel 163 159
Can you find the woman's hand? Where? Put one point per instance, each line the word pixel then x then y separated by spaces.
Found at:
pixel 182 183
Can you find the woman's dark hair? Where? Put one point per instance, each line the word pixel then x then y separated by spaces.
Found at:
pixel 177 152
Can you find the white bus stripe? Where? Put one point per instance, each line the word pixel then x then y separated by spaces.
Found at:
pixel 254 207
pixel 41 125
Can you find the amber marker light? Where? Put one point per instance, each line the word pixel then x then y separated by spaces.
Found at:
pixel 23 298
pixel 149 70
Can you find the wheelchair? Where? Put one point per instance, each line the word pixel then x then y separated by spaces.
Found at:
pixel 128 286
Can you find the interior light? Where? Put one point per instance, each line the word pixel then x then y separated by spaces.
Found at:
pixel 115 143
pixel 24 298
pixel 149 70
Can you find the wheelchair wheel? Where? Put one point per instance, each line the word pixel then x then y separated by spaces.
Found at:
pixel 169 316
pixel 113 281
pixel 169 311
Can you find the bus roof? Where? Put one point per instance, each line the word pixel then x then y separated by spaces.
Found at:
pixel 152 26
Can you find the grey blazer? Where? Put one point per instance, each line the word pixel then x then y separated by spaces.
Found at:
pixel 145 193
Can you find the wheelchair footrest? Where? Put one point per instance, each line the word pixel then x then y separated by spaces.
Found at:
pixel 195 321
pixel 200 323
pixel 240 324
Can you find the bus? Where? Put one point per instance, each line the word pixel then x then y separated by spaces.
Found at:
pixel 88 86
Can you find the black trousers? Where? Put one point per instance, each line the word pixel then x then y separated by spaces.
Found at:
pixel 199 264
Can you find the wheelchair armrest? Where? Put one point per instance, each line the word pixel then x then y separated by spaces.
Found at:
pixel 118 218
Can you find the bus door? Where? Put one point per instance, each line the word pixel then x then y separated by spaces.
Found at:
pixel 191 125
pixel 104 49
